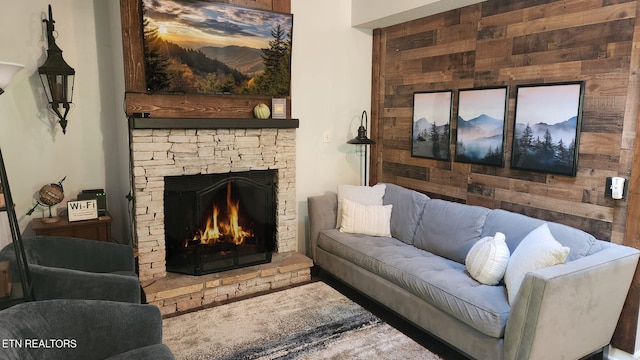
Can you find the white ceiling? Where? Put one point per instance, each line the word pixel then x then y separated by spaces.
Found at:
pixel 372 14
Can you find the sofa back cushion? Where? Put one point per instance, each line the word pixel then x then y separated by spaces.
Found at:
pixel 516 227
pixel 408 206
pixel 449 229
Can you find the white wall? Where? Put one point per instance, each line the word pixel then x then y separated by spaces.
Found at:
pixel 34 149
pixel 331 86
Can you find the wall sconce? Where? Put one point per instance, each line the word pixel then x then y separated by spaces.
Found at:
pixel 57 77
pixel 362 139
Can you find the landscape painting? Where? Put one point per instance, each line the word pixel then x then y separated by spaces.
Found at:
pixel 431 124
pixel 547 127
pixel 212 47
pixel 480 134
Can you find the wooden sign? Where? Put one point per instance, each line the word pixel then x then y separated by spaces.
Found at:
pixel 82 210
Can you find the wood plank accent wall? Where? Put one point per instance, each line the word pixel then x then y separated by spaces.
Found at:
pixel 137 100
pixel 515 42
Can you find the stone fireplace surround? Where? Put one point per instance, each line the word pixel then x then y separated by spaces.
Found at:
pixel 170 147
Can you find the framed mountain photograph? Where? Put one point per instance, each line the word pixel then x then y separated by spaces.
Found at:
pixel 431 133
pixel 547 127
pixel 481 128
pixel 216 48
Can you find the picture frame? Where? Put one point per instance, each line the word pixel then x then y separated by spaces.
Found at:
pixel 216 47
pixel 481 128
pixel 546 132
pixel 278 108
pixel 431 130
pixel 177 105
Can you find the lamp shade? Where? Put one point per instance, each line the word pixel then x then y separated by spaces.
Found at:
pixel 7 71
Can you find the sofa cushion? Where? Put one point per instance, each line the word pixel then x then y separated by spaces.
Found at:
pixel 408 206
pixel 365 219
pixel 488 259
pixel 516 226
pixel 442 283
pixel 449 229
pixel 366 195
pixel 536 251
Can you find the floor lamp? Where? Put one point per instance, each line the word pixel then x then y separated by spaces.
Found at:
pixel 7 71
pixel 362 139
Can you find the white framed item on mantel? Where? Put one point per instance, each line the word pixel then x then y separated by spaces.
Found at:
pixel 82 210
pixel 278 108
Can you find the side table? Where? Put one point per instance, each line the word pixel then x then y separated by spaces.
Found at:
pixel 94 229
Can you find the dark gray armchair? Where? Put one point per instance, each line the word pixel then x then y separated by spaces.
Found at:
pixel 70 268
pixel 83 330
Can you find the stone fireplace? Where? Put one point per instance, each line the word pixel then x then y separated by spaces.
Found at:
pixel 162 148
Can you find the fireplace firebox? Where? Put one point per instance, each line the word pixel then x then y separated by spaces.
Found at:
pixel 218 222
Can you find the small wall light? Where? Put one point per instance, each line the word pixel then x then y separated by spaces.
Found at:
pixel 362 139
pixel 57 77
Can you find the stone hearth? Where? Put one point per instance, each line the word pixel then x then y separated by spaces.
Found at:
pixel 172 151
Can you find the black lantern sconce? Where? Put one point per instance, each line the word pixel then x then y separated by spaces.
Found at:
pixel 57 77
pixel 362 139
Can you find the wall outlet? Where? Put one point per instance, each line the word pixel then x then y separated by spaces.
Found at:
pixel 326 137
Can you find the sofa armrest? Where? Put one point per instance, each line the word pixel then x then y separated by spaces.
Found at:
pixel 570 310
pixel 78 329
pixel 58 283
pixel 323 210
pixel 79 254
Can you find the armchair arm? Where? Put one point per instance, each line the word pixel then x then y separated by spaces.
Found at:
pixel 58 283
pixel 77 329
pixel 79 254
pixel 322 216
pixel 570 310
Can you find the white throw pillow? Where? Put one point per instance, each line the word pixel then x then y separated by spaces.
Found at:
pixel 488 258
pixel 365 195
pixel 374 220
pixel 539 249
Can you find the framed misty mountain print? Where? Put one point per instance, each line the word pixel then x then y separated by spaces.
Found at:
pixel 547 127
pixel 215 48
pixel 480 131
pixel 431 135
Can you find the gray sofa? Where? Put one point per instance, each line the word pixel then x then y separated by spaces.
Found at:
pixel 565 311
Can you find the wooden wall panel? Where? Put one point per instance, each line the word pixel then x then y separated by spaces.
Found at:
pixel 518 42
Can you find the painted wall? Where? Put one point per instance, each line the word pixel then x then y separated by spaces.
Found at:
pixel 34 148
pixel 331 86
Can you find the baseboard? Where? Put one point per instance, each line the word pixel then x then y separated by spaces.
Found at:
pixel 617 354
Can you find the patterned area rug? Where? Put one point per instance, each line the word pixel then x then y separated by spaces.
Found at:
pixel 312 321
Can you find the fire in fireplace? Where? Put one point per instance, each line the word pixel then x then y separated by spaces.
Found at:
pixel 217 222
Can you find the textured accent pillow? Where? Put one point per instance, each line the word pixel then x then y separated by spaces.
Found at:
pixel 374 220
pixel 539 249
pixel 365 195
pixel 488 258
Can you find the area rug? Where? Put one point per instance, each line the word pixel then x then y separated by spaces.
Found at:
pixel 311 321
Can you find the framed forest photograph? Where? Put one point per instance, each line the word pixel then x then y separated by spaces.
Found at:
pixel 547 127
pixel 215 48
pixel 480 131
pixel 431 133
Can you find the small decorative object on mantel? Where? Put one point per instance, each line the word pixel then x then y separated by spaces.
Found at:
pixel 261 111
pixel 49 195
pixel 279 107
pixel 2 204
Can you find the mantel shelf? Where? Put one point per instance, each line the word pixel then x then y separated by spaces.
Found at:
pixel 209 123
